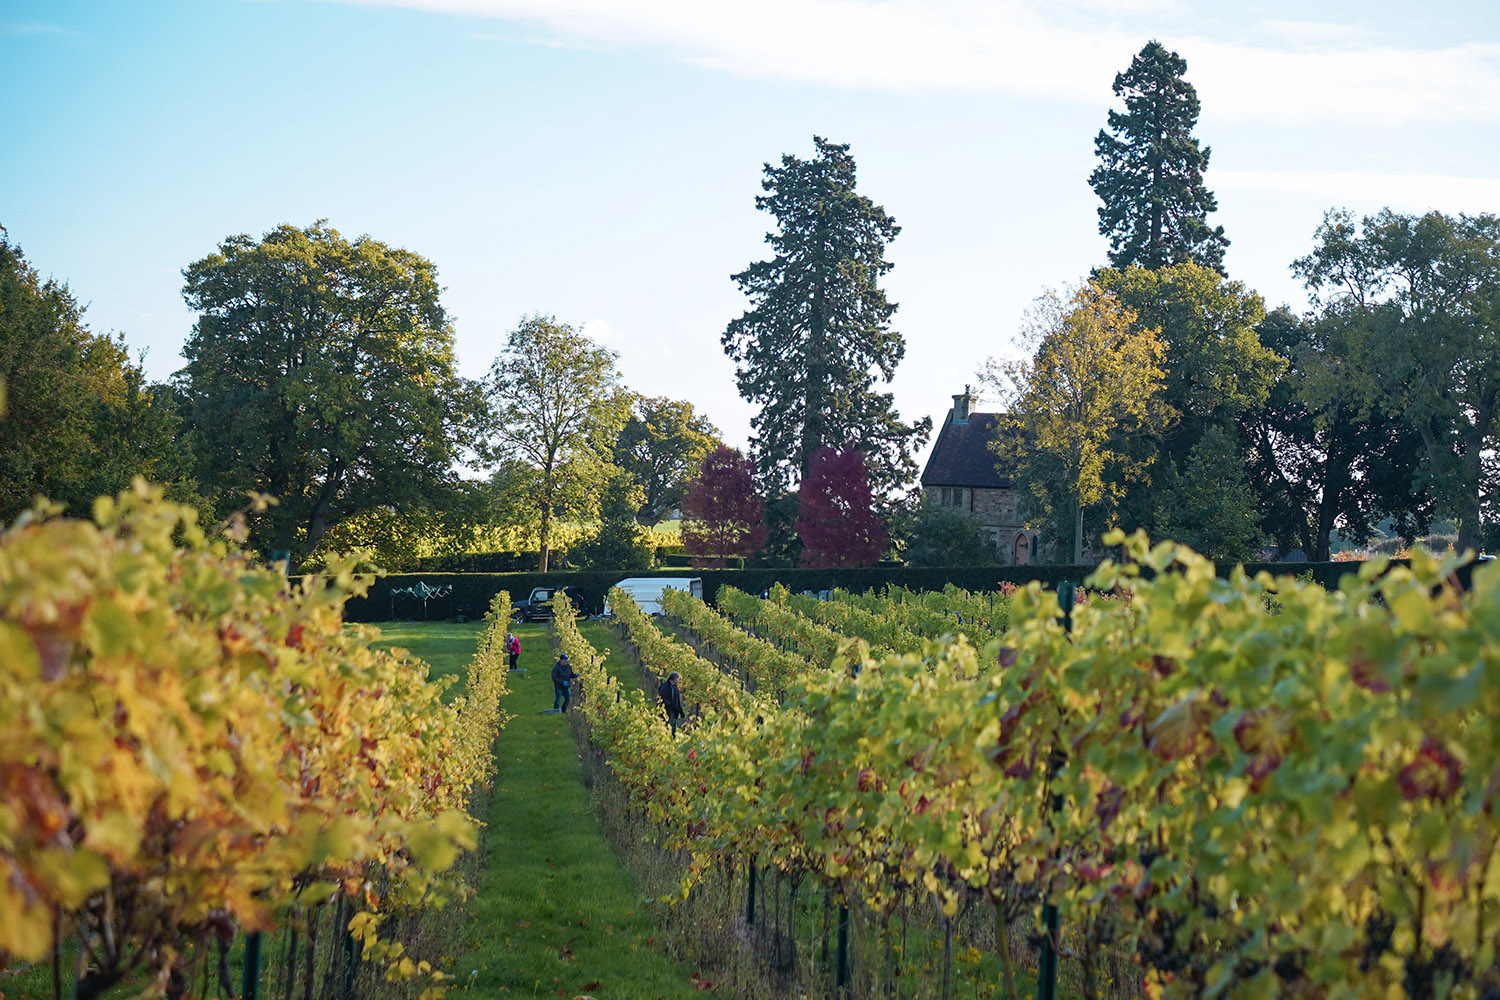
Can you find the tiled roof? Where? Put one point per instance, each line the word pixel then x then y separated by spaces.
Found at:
pixel 962 456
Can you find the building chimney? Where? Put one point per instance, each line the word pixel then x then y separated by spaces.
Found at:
pixel 961 407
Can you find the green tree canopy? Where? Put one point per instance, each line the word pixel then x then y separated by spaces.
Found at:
pixel 320 371
pixel 946 536
pixel 1095 378
pixel 1150 173
pixel 619 542
pixel 1324 459
pixel 1206 501
pixel 556 407
pixel 1216 368
pixel 80 420
pixel 1422 295
pixel 818 331
pixel 661 448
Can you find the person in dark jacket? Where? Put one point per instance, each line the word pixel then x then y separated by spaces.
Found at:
pixel 562 684
pixel 670 691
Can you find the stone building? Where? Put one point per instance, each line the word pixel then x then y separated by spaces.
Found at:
pixel 963 472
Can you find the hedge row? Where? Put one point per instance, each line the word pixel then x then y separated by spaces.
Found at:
pixel 474 590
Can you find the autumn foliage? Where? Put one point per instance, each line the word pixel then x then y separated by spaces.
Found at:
pixel 836 513
pixel 194 745
pixel 1249 787
pixel 722 513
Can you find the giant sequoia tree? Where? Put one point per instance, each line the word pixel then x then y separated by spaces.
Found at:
pixel 320 371
pixel 819 328
pixel 1150 173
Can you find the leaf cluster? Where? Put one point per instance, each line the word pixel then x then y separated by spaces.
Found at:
pixel 195 745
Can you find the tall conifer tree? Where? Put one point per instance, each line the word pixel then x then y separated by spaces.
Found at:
pixel 818 330
pixel 1150 173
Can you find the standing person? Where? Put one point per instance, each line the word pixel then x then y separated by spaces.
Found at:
pixel 562 682
pixel 512 648
pixel 670 691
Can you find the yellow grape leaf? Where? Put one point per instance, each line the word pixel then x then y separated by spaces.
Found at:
pixel 25 925
pixel 115 834
pixel 1413 611
pixel 316 893
pixel 18 653
pixel 75 875
pixel 110 629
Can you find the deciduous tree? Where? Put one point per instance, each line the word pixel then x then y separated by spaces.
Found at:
pixel 661 447
pixel 721 512
pixel 1217 373
pixel 1215 369
pixel 836 518
pixel 320 371
pixel 1324 458
pixel 1096 377
pixel 946 536
pixel 1150 173
pixel 619 542
pixel 556 404
pixel 1427 291
pixel 81 421
pixel 818 332
pixel 1207 502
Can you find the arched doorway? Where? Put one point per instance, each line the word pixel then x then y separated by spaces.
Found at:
pixel 1022 551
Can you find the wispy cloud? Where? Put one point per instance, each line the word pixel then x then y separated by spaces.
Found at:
pixel 1409 192
pixel 1305 71
pixel 21 29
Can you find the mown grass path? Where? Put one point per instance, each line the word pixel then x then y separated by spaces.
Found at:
pixel 555 914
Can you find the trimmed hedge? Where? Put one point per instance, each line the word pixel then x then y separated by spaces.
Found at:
pixel 474 590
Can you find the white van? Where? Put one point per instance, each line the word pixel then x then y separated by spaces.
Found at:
pixel 647 590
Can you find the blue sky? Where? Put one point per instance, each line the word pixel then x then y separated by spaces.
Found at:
pixel 598 159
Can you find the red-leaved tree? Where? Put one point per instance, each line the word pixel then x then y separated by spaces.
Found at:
pixel 722 513
pixel 836 513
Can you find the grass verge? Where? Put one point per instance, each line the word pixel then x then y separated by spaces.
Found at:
pixel 556 915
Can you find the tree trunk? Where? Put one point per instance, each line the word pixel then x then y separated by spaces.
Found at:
pixel 317 522
pixel 544 532
pixel 1468 520
pixel 1077 532
pixel 1335 483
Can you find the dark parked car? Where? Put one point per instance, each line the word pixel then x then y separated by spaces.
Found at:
pixel 538 607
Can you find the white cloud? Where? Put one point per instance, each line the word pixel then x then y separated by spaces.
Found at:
pixel 1069 50
pixel 1408 192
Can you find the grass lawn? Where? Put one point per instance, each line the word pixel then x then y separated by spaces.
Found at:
pixel 555 915
pixel 447 648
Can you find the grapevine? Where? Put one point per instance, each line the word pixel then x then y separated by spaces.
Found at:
pixel 764 665
pixel 194 745
pixel 1253 798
